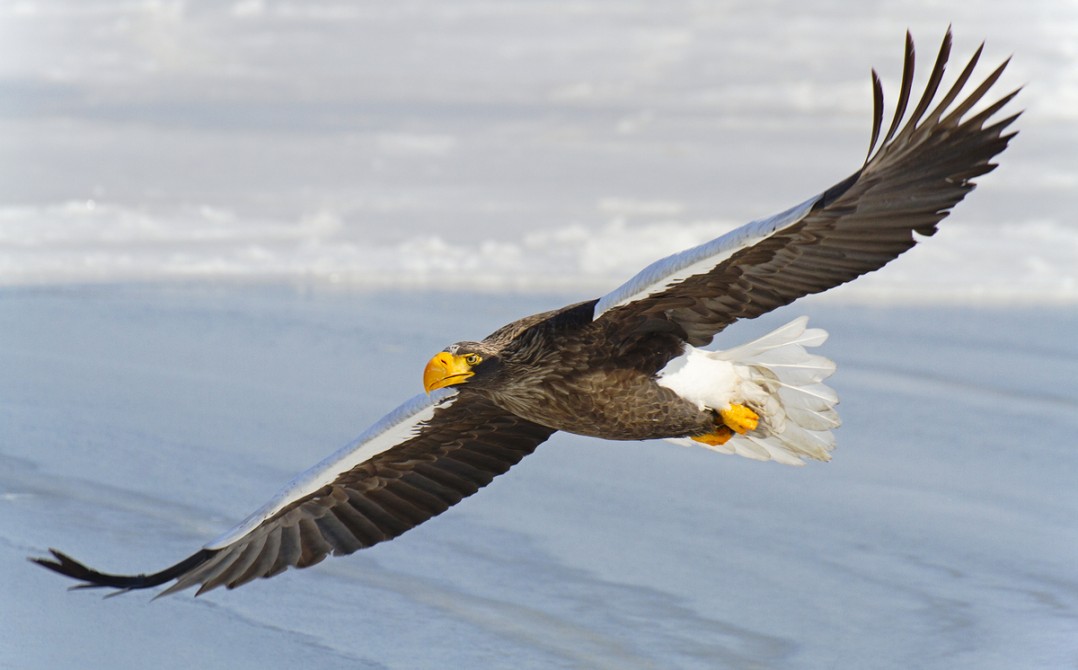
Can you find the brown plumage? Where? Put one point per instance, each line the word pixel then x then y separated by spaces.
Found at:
pixel 606 367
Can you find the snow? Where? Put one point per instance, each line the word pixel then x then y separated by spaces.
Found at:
pixel 141 421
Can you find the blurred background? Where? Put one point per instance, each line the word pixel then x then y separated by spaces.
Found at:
pixel 180 182
pixel 496 145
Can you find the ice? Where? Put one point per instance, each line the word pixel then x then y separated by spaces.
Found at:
pixel 140 422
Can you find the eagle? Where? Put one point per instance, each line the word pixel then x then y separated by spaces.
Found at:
pixel 632 364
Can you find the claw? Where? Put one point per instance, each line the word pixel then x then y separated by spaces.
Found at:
pixel 739 418
pixel 721 435
pixel 735 419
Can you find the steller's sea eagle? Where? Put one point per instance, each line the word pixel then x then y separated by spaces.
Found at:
pixel 629 365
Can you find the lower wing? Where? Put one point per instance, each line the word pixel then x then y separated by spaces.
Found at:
pixel 422 458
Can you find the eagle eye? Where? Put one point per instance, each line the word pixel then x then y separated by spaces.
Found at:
pixel 473 359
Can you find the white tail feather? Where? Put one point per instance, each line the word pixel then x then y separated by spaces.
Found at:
pixel 783 383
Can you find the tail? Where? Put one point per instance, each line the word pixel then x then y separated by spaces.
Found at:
pixel 785 387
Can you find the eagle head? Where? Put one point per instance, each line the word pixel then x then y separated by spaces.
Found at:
pixel 459 363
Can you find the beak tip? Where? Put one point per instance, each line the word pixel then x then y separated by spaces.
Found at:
pixel 444 370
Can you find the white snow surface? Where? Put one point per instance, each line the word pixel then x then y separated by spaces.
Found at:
pixel 504 146
pixel 137 422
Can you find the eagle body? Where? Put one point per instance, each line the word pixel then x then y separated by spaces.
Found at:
pixel 566 371
pixel 632 364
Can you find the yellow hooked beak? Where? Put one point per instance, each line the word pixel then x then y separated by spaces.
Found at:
pixel 446 369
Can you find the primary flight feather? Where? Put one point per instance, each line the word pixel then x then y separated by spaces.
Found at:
pixel 628 365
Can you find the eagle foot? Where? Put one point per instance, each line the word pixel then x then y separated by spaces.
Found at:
pixel 739 418
pixel 721 435
pixel 734 419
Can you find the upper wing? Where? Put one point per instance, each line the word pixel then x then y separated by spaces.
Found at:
pixel 858 225
pixel 415 463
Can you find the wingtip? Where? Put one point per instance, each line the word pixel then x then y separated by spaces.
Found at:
pixel 87 577
pixel 59 561
pixel 63 564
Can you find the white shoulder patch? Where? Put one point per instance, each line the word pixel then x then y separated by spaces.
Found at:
pixel 664 273
pixel 390 431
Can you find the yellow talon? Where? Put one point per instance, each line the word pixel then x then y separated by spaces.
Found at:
pixel 735 418
pixel 739 418
pixel 721 435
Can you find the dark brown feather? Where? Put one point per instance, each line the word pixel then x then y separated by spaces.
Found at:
pixel 909 184
pixel 462 448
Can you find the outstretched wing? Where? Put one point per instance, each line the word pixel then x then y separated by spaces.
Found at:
pixel 908 185
pixel 425 456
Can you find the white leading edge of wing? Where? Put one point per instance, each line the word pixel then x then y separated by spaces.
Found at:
pixel 390 431
pixel 664 273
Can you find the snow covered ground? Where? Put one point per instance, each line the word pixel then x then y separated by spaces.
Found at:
pixel 140 422
pixel 232 233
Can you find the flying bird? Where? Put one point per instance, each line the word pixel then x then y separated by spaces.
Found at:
pixel 630 365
